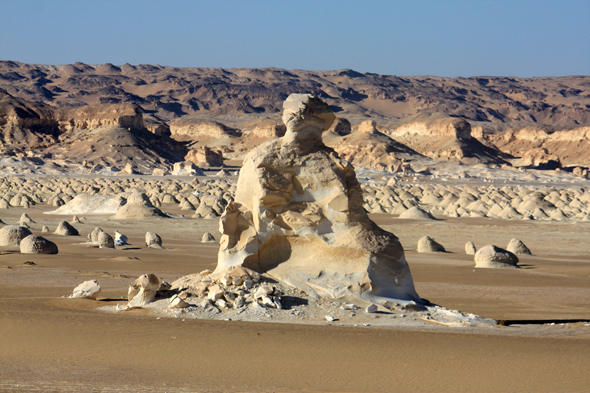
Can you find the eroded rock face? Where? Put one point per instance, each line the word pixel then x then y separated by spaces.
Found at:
pixel 298 216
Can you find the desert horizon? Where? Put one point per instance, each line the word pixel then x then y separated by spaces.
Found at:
pixel 295 202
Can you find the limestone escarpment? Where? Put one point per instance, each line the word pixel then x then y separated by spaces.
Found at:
pixel 190 129
pixel 369 148
pixel 536 145
pixel 100 115
pixel 25 124
pixel 445 138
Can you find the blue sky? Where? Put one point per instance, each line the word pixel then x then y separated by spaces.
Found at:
pixel 442 38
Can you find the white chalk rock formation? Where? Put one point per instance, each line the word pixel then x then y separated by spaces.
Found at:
pixel 495 257
pixel 25 219
pixel 4 204
pixel 89 204
pixel 138 206
pixel 34 244
pixel 94 234
pixel 120 239
pixel 298 216
pixel 427 244
pixel 208 238
pixel 105 240
pixel 45 229
pixel 517 247
pixel 87 290
pixel 417 214
pixel 153 240
pixel 470 248
pixel 12 235
pixel 143 290
pixel 65 229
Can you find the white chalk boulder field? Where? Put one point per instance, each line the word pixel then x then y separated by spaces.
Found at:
pixel 298 216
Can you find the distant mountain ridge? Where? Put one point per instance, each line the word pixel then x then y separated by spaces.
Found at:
pixel 165 93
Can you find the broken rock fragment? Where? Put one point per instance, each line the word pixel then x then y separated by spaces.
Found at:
pixel 143 290
pixel 87 290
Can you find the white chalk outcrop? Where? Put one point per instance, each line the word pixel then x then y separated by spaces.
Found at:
pixel 470 248
pixel 89 204
pixel 417 214
pixel 517 247
pixel 208 238
pixel 34 244
pixel 153 240
pixel 138 206
pixel 428 244
pixel 65 229
pixel 12 235
pixel 105 240
pixel 495 257
pixel 298 216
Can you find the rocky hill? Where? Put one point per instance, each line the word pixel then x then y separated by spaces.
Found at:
pixel 171 92
pixel 152 116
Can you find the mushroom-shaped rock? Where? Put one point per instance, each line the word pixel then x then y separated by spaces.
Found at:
pixel 153 240
pixel 143 290
pixel 427 244
pixel 34 244
pixel 298 216
pixel 87 290
pixel 417 214
pixel 120 239
pixel 517 247
pixel 495 257
pixel 11 235
pixel 208 238
pixel 65 229
pixel 470 248
pixel 105 240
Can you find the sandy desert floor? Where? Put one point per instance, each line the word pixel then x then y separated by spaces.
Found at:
pixel 53 344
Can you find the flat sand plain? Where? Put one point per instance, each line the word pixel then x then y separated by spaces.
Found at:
pixel 53 344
